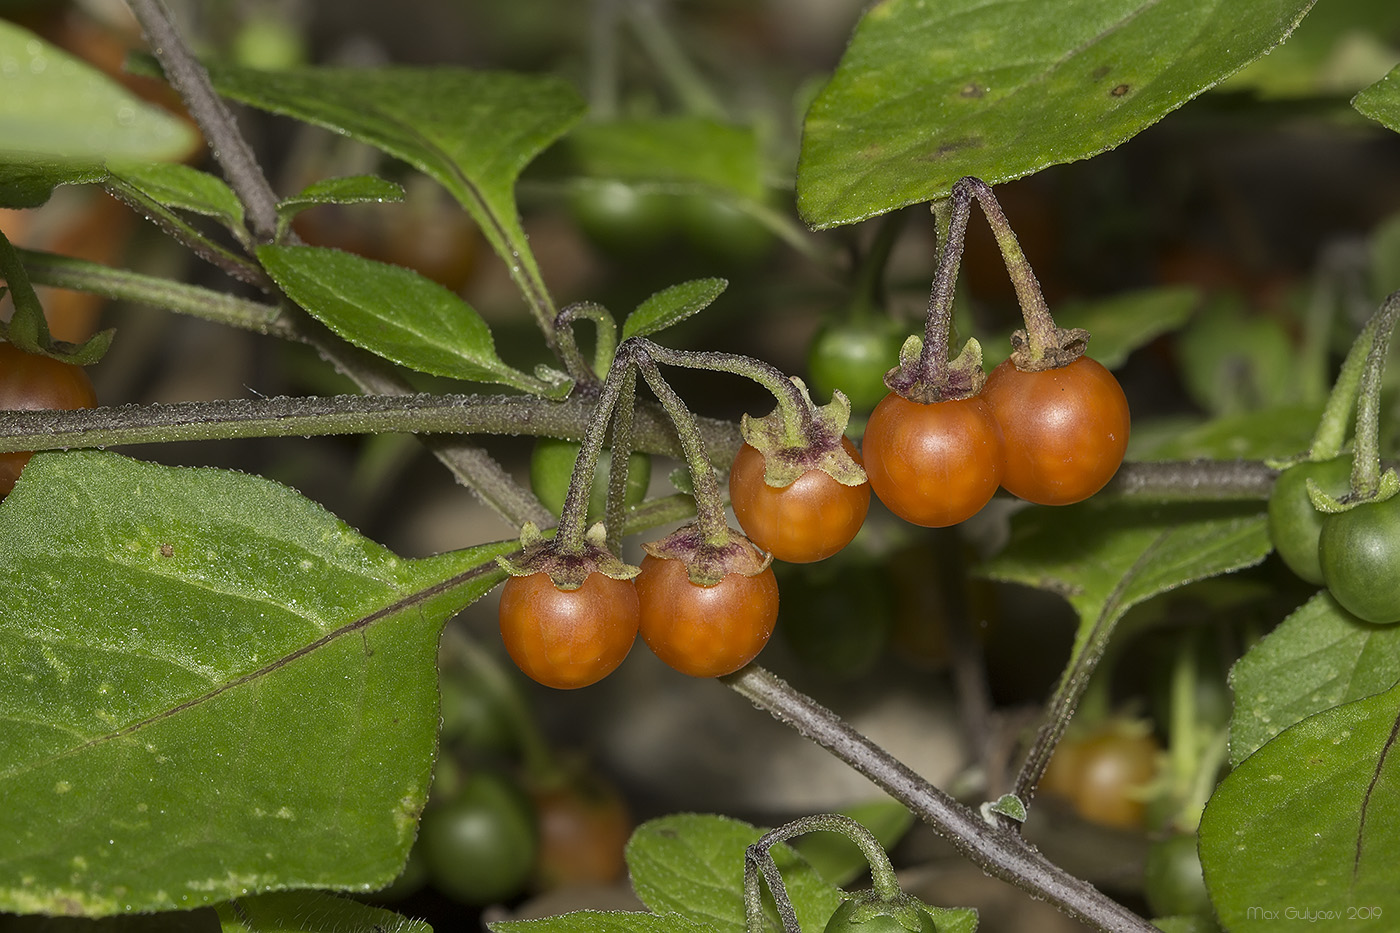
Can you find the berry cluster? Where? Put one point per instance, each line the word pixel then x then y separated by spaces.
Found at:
pixel 1052 437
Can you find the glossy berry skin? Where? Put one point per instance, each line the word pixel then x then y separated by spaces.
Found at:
pixel 1359 550
pixel 584 827
pixel 854 356
pixel 29 382
pixel 705 631
pixel 623 220
pixel 1066 429
pixel 568 638
pixel 933 464
pixel 1102 775
pixel 809 519
pixel 1294 525
pixel 480 846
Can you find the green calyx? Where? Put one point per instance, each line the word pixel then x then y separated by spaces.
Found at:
pixel 869 913
pixel 542 554
pixel 816 446
pixel 1331 505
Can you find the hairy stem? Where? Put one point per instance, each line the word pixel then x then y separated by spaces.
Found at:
pixel 121 285
pixel 1366 462
pixel 998 852
pixel 245 176
pixel 472 466
pixel 1163 481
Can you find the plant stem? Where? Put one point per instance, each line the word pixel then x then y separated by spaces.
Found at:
pixel 882 876
pixel 938 322
pixel 1336 419
pixel 795 407
pixel 709 503
pixel 121 285
pixel 340 414
pixel 1040 327
pixel 868 289
pixel 472 466
pixel 602 60
pixel 187 75
pixel 654 35
pixel 1366 458
pixel 175 226
pixel 606 342
pixel 758 860
pixel 1163 481
pixel 620 465
pixel 573 522
pixel 996 851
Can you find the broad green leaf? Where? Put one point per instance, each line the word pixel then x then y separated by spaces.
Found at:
pixel 202 920
pixel 1106 559
pixel 212 688
pixel 671 306
pixel 669 151
pixel 598 921
pixel 693 865
pixel 1319 657
pixel 839 860
pixel 27 181
pixel 1186 925
pixel 1308 827
pixel 472 131
pixel 1234 361
pixel 348 189
pixel 393 312
pixel 55 105
pixel 1119 325
pixel 311 912
pixel 183 188
pixel 1280 431
pixel 929 92
pixel 1381 101
pixel 1342 46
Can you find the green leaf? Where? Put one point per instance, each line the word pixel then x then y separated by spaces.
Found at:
pixel 1233 360
pixel 669 151
pixel 839 860
pixel 349 189
pixel 393 312
pixel 1119 325
pixel 929 92
pixel 693 865
pixel 59 107
pixel 1279 431
pixel 1106 559
pixel 671 306
pixel 203 920
pixel 472 131
pixel 1381 101
pixel 212 687
pixel 183 188
pixel 1186 925
pixel 312 912
pixel 1337 50
pixel 1319 657
pixel 27 180
pixel 1305 828
pixel 597 921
